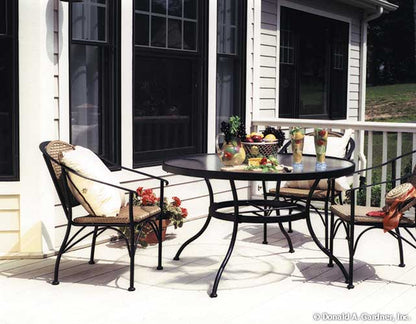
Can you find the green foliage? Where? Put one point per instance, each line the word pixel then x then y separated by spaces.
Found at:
pixel 391 46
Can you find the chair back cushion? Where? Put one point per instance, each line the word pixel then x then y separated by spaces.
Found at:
pixel 341 184
pixel 98 199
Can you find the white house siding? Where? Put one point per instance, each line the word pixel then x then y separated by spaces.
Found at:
pixel 269 60
pixel 27 205
pixel 9 223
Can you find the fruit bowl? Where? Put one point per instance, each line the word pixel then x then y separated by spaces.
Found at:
pixel 260 149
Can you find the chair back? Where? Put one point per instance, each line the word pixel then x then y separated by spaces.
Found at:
pixel 412 178
pixel 349 149
pixel 51 151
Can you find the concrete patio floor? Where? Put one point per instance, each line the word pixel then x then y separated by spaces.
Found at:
pixel 261 284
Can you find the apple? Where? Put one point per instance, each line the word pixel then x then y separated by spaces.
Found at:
pixel 256 138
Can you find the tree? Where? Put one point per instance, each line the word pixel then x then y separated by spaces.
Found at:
pixel 391 46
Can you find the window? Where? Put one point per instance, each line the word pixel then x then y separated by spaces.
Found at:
pixel 169 79
pixel 231 28
pixel 313 66
pixel 9 108
pixel 94 77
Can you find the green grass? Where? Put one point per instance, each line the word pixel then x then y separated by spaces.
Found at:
pixel 397 92
pixel 391 103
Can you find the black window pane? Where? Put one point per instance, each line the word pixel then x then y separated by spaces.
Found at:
pixel 158 31
pixel 227 77
pixel 86 96
pixel 227 27
pixel 141 26
pixel 190 8
pixel 89 22
pixel 189 35
pixel 228 40
pixel 159 6
pixel 6 107
pixel 142 5
pixel 175 8
pixel 3 17
pixel 164 106
pixel 174 33
pixel 230 9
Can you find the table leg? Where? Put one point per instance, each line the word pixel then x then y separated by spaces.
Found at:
pixel 313 235
pixel 204 227
pixel 232 242
pixel 225 261
pixel 289 241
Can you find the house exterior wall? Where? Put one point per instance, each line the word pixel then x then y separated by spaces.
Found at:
pixel 270 40
pixel 27 205
pixel 32 222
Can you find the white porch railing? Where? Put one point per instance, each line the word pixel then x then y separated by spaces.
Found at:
pixel 376 142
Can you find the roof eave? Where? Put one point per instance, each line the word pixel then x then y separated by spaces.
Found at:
pixel 372 4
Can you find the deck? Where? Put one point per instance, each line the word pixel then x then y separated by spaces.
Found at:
pixel 261 284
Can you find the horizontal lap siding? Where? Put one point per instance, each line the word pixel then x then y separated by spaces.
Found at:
pixel 268 59
pixel 250 61
pixel 9 224
pixel 269 47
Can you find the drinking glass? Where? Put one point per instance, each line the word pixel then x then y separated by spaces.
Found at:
pixel 321 142
pixel 297 136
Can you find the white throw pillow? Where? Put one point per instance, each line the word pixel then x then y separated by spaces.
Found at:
pixel 335 148
pixel 98 199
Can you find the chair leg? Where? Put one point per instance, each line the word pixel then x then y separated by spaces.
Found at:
pixel 94 239
pixel 399 240
pixel 290 230
pixel 58 258
pixel 351 255
pixel 265 233
pixel 331 239
pixel 132 251
pixel 159 252
pixel 327 228
pixel 289 241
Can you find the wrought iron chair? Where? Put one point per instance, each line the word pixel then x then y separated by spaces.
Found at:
pixel 130 216
pixel 295 195
pixel 352 215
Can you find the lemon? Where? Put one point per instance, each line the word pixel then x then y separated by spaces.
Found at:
pixel 298 136
pixel 270 137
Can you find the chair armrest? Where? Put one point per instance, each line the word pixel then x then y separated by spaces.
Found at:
pixel 134 171
pixel 146 174
pixel 285 147
pixel 375 184
pixel 68 169
pixel 386 163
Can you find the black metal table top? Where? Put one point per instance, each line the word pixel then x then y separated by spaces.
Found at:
pixel 208 166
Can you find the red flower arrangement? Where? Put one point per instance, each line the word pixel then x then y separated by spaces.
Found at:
pixel 176 213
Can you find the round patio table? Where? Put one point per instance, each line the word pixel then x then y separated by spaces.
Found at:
pixel 263 211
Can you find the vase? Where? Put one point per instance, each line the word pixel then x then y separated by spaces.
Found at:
pixel 151 237
pixel 231 152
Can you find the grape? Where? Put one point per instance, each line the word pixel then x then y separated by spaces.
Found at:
pixel 280 136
